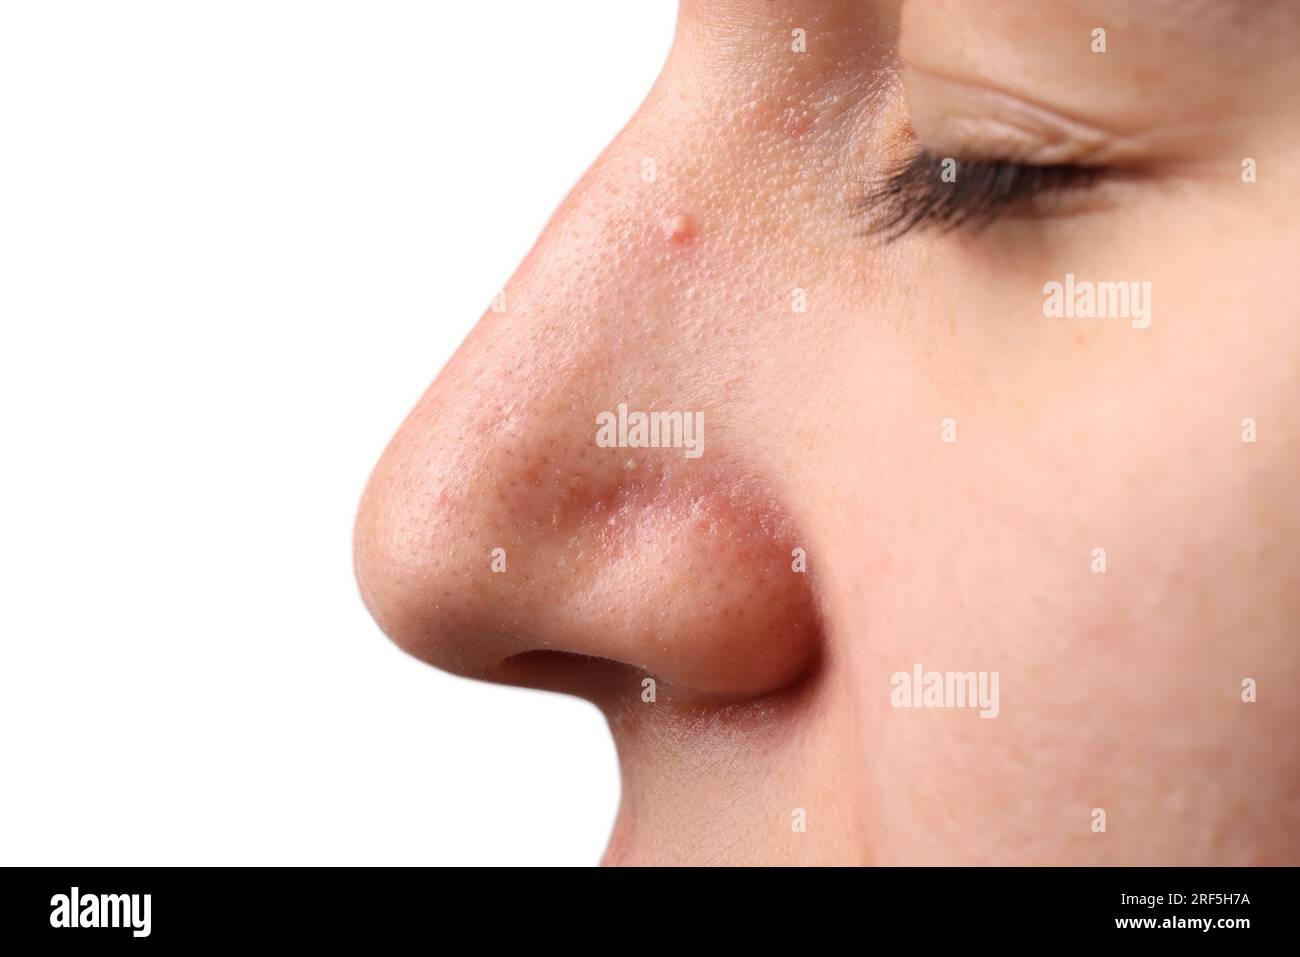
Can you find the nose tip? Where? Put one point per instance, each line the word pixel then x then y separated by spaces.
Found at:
pixel 505 543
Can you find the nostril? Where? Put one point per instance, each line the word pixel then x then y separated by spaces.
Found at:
pixel 587 676
pixel 616 685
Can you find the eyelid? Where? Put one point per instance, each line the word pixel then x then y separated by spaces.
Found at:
pixel 960 116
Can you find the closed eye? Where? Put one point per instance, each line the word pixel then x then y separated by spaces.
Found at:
pixel 928 191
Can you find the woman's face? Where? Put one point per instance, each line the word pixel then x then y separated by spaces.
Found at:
pixel 898 451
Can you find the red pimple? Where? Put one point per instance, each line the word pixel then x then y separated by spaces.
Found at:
pixel 679 228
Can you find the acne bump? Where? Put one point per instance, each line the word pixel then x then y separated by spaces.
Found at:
pixel 797 122
pixel 679 229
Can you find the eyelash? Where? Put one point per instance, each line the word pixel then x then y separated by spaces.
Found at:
pixel 916 196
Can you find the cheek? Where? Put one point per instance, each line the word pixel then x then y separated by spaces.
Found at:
pixel 1106 542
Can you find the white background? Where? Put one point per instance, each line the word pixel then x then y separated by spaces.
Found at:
pixel 237 240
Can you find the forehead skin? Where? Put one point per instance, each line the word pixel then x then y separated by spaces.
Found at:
pixel 1176 80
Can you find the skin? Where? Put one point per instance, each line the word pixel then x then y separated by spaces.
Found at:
pixel 1119 690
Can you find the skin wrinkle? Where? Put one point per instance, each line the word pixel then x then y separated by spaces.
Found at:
pixel 999 99
pixel 823 432
pixel 977 120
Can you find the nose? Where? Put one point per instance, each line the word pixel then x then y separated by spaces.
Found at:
pixel 524 527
